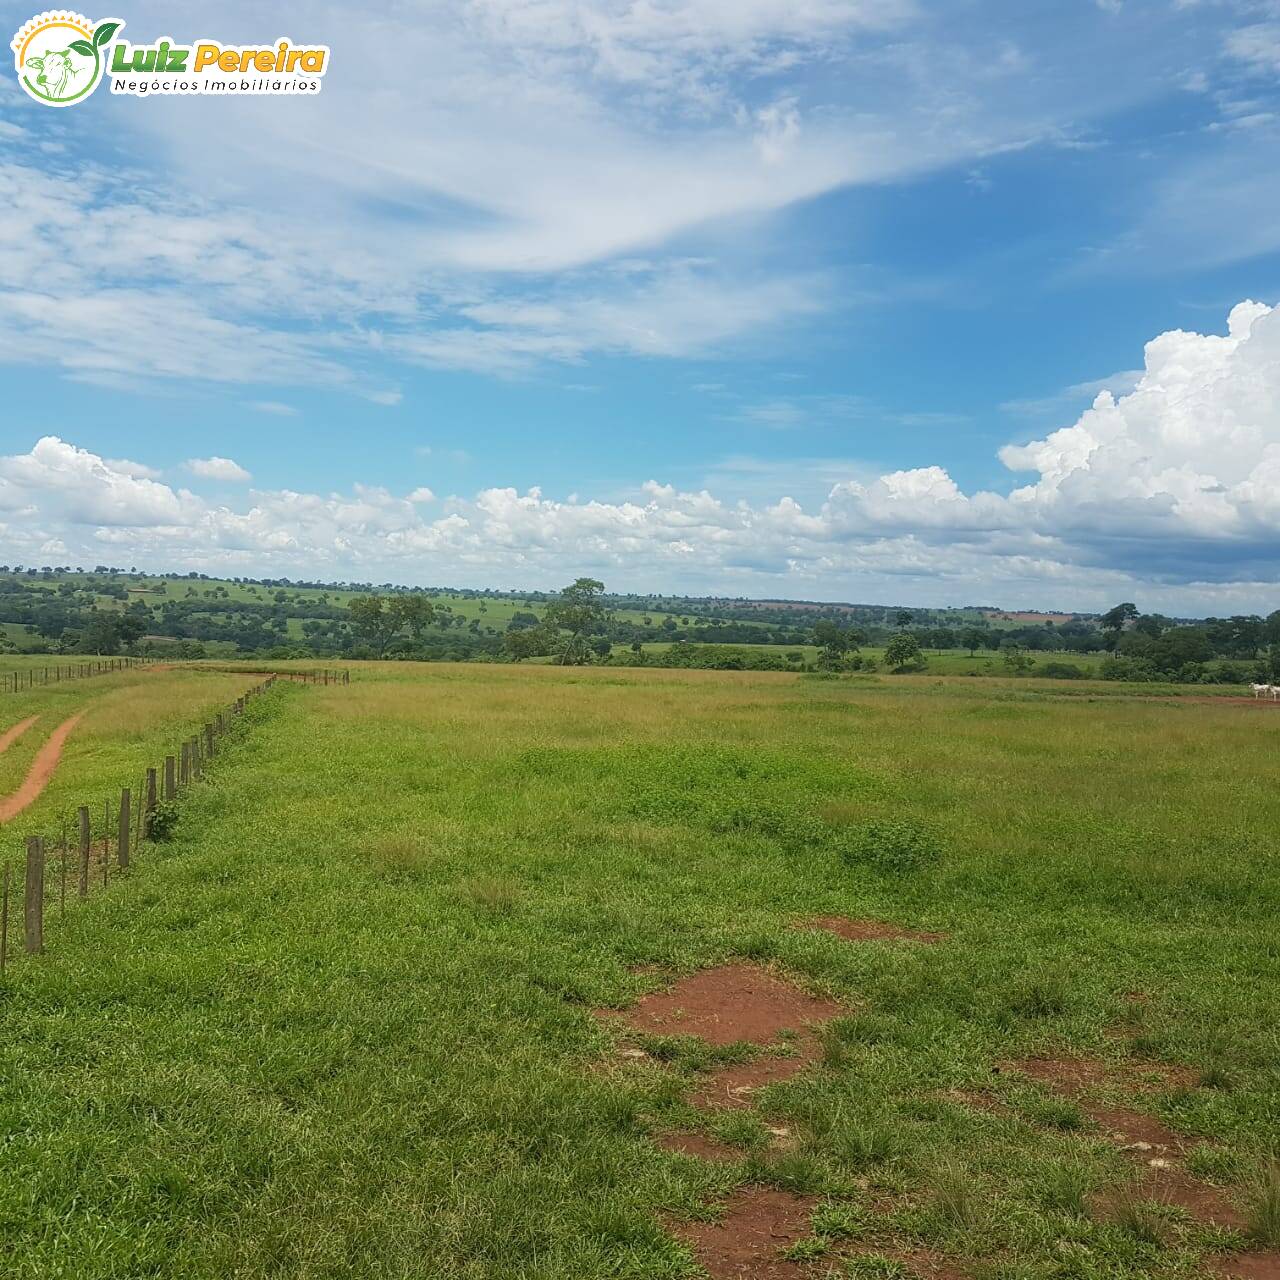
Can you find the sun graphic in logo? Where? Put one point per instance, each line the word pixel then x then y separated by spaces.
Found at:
pixel 61 56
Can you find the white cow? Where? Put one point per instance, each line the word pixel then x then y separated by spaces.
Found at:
pixel 57 76
pixel 1264 691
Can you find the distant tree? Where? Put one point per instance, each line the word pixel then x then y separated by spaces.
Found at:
pixel 578 610
pixel 413 611
pixel 902 618
pixel 526 642
pixel 1016 659
pixel 372 622
pixel 1114 621
pixel 834 642
pixel 903 653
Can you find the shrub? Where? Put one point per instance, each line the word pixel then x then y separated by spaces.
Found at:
pixel 1060 671
pixel 1136 670
pixel 894 846
pixel 163 821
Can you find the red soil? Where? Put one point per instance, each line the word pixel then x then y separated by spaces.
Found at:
pixel 1248 1266
pixel 696 1144
pixel 734 1003
pixel 870 930
pixel 1072 1076
pixel 759 1224
pixel 41 771
pixel 1066 1075
pixel 1151 1144
pixel 1139 1134
pixel 10 736
pixel 736 1086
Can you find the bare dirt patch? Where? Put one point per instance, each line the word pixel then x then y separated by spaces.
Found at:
pixel 1137 1133
pixel 737 1085
pixel 10 736
pixel 1069 1076
pixel 696 1144
pixel 1143 1138
pixel 734 1003
pixel 870 930
pixel 758 1226
pixel 42 770
pixel 1247 1266
pixel 1075 1076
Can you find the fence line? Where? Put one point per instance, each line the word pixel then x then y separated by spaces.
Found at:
pixel 16 681
pixel 129 822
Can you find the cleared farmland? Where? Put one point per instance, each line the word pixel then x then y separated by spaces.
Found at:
pixel 351 1020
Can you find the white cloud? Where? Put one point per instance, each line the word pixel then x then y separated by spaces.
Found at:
pixel 1258 46
pixel 136 470
pixel 277 408
pixel 422 494
pixel 536 146
pixel 216 468
pixel 1171 492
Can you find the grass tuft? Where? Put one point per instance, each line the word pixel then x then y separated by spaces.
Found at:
pixel 1264 1209
pixel 1137 1217
pixel 496 895
pixel 954 1198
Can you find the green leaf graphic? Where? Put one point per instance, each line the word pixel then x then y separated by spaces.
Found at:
pixel 105 32
pixel 82 46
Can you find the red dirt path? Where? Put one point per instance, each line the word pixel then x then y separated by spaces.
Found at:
pixel 42 770
pixel 10 736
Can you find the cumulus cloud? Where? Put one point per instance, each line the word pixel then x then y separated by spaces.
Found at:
pixel 1171 489
pixel 216 468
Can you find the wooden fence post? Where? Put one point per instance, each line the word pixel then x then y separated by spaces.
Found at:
pixel 170 785
pixel 150 802
pixel 208 739
pixel 195 757
pixel 184 764
pixel 122 844
pixel 84 851
pixel 33 903
pixel 4 923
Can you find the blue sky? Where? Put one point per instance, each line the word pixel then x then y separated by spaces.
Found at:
pixel 803 298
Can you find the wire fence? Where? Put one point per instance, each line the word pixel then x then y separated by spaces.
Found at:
pixel 36 677
pixel 104 838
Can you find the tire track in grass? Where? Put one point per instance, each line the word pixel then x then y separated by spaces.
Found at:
pixel 42 770
pixel 10 736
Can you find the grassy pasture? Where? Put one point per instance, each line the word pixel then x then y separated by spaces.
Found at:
pixel 132 719
pixel 341 1025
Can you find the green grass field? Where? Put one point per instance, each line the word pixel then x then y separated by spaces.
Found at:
pixel 131 720
pixel 342 1024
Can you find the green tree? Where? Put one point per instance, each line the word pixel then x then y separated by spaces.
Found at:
pixel 372 622
pixel 903 653
pixel 1017 660
pixel 578 610
pixel 413 611
pixel 1114 621
pixel 834 642
pixel 973 639
pixel 525 642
